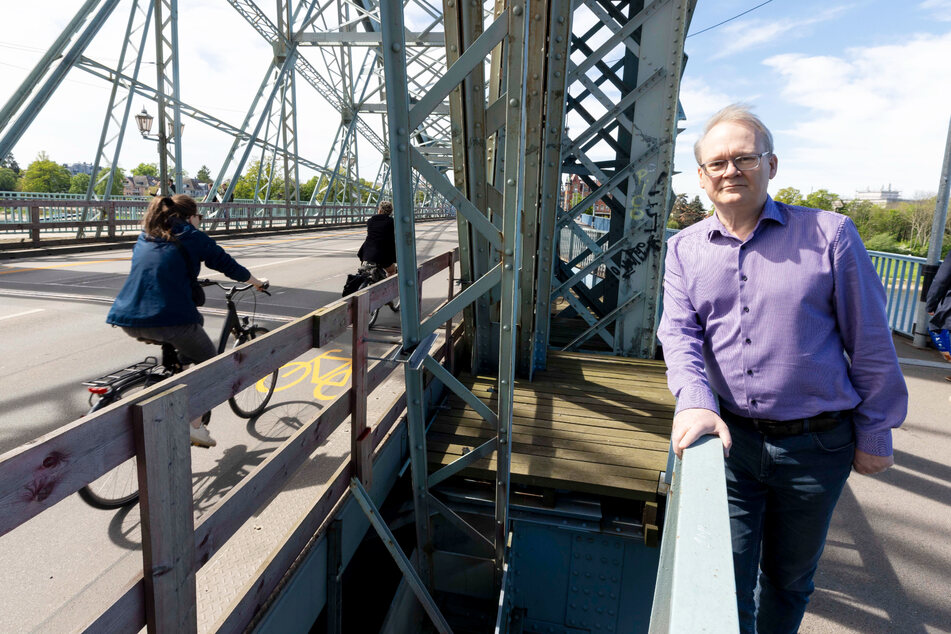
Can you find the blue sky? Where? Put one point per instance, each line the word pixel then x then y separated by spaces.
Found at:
pixel 857 94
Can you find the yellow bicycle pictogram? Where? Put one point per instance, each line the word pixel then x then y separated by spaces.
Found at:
pixel 338 376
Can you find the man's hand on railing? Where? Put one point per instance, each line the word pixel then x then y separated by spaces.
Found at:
pixel 692 424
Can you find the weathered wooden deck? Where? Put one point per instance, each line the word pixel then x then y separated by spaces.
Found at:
pixel 588 423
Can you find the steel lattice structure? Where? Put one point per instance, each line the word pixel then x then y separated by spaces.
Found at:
pixel 488 106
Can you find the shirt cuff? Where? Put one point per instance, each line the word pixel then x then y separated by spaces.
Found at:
pixel 696 396
pixel 876 444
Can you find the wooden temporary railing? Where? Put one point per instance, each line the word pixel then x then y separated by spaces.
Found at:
pixel 41 222
pixel 153 428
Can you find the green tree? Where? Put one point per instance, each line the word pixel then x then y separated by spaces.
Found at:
pixel 307 189
pixel 788 195
pixel 79 183
pixel 687 213
pixel 246 184
pixel 821 199
pixel 8 179
pixel 146 169
pixel 45 176
pixel 117 182
pixel 10 163
pixel 204 174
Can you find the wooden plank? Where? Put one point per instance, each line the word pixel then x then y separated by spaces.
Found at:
pixel 359 316
pixel 556 356
pixel 165 502
pixel 554 438
pixel 594 426
pixel 644 462
pixel 555 466
pixel 610 417
pixel 579 403
pixel 560 478
pixel 622 391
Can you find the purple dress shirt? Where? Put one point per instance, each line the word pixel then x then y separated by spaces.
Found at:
pixel 766 323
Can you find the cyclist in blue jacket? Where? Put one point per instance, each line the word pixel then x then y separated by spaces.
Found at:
pixel 156 303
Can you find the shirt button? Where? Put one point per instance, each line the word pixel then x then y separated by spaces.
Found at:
pixel 744 278
pixel 748 340
pixel 746 309
pixel 749 372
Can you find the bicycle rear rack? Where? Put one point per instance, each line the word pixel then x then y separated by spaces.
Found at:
pixel 136 369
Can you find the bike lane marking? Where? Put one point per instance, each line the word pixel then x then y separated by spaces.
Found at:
pixel 321 377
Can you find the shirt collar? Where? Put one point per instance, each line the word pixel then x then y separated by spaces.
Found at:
pixel 771 211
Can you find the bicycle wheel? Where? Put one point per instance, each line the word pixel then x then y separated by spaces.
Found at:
pixel 120 486
pixel 252 400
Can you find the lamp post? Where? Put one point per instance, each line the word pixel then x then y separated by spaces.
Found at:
pixel 143 121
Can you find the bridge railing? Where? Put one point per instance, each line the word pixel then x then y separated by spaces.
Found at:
pixel 43 222
pixel 695 591
pixel 152 427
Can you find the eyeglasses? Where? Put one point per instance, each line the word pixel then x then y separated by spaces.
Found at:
pixel 743 163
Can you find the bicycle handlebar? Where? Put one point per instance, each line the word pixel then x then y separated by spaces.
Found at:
pixel 234 289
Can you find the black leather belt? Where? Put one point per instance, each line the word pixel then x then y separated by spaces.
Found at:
pixel 818 423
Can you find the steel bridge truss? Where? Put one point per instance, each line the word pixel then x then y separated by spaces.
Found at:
pixel 517 71
pixel 348 42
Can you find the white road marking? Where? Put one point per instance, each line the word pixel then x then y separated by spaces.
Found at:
pixel 26 312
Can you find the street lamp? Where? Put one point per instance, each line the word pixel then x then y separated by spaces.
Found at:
pixel 144 122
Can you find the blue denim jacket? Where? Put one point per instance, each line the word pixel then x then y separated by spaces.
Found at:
pixel 158 289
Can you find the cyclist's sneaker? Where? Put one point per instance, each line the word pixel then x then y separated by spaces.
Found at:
pixel 201 437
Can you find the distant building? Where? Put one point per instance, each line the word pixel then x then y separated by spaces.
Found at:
pixel 79 168
pixel 574 190
pixel 139 185
pixel 195 188
pixel 880 196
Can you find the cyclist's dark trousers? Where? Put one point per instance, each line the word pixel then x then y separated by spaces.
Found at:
pixel 190 340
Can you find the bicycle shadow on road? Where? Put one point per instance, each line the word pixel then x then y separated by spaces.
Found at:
pixel 281 420
pixel 208 488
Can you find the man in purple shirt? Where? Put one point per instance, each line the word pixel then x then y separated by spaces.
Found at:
pixel 776 340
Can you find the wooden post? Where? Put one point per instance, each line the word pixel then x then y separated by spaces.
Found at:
pixel 35 225
pixel 361 450
pixel 165 502
pixel 111 219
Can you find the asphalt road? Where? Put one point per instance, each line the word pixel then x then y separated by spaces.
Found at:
pixel 53 336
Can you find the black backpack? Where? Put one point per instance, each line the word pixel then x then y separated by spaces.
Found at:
pixel 353 284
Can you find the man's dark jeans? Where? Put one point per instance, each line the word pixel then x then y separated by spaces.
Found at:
pixel 782 491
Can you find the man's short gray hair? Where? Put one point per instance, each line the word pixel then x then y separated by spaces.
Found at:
pixel 739 113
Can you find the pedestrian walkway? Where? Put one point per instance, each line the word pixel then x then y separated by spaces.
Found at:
pixel 887 563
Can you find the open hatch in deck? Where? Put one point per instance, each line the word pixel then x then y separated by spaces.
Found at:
pixel 588 423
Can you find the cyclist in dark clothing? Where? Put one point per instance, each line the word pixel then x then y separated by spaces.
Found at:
pixel 155 303
pixel 380 244
pixel 939 307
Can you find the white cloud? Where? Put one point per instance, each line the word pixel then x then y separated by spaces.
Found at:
pixel 741 36
pixel 874 116
pixel 869 117
pixel 938 9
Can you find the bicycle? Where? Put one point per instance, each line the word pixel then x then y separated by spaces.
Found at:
pixel 371 274
pixel 120 486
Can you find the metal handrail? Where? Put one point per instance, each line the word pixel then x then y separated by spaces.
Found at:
pixel 695 590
